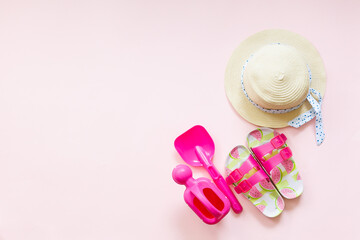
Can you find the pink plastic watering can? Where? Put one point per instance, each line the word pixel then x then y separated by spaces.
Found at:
pixel 202 196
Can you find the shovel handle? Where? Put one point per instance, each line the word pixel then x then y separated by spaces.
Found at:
pixel 218 180
pixel 221 184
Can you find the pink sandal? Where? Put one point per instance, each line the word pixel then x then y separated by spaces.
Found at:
pixel 248 178
pixel 275 156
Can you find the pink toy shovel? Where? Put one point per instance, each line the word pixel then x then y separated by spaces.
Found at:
pixel 196 147
pixel 202 196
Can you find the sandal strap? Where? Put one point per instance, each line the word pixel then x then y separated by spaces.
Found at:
pixel 247 184
pixel 269 164
pixel 239 173
pixel 275 143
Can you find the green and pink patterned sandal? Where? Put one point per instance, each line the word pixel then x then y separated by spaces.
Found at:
pixel 272 152
pixel 248 178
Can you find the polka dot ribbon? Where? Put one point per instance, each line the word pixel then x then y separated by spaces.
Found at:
pixel 307 116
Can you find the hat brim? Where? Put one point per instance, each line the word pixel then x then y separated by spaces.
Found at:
pixel 233 76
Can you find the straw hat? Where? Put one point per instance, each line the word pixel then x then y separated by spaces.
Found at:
pixel 272 78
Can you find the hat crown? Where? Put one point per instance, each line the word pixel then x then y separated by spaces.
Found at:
pixel 277 77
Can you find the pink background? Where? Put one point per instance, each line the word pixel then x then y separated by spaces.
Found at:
pixel 93 94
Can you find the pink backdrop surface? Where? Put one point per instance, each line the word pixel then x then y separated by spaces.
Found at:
pixel 93 94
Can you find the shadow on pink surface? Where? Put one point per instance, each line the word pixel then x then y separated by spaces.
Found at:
pixel 191 227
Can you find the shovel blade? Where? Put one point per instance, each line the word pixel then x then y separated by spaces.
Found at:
pixel 186 143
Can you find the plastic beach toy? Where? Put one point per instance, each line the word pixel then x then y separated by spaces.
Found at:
pixel 202 196
pixel 197 148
